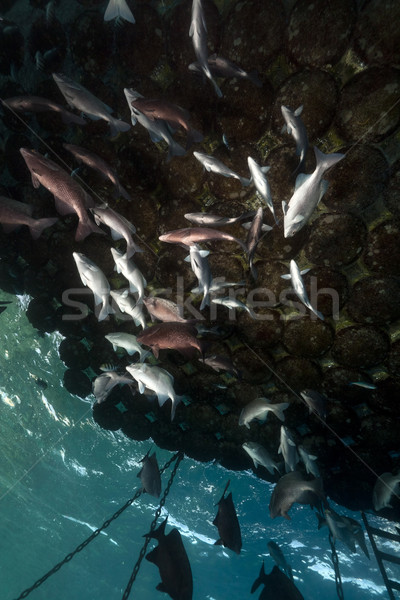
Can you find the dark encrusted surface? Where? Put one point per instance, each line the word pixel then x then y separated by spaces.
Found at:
pixel 351 243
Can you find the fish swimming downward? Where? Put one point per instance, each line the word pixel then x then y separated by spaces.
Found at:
pixel 131 272
pixel 201 269
pixel 95 162
pixel 198 33
pixel 255 230
pixel 149 475
pixel 309 190
pixel 278 556
pixel 227 523
pixel 120 227
pixel 261 183
pixel 95 280
pixel 172 561
pixel 80 98
pixel 296 128
pixel 128 305
pixel 299 288
pixel 69 196
pixel 171 113
pixel 287 448
pixel 158 128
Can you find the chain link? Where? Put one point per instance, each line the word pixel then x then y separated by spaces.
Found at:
pixel 178 457
pixel 335 560
pixel 95 533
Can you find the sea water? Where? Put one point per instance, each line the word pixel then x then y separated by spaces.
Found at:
pixel 62 476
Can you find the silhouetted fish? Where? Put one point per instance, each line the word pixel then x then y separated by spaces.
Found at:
pixel 227 523
pixel 172 561
pixel 150 475
pixel 277 586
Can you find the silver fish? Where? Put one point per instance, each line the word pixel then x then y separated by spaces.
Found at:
pixel 128 305
pixel 309 191
pixel 259 409
pixel 232 304
pixel 260 456
pixel 80 98
pixel 172 114
pixel 158 380
pixel 158 129
pixel 223 67
pixel 292 488
pixel 340 528
pixel 295 276
pixel 95 280
pixel 69 196
pixel 127 267
pixel 94 161
pixel 118 9
pixel 13 214
pixel 385 487
pixel 315 401
pixel 201 269
pixel 214 165
pixel 287 448
pixel 309 461
pixel 120 227
pixel 37 104
pixel 198 33
pixel 296 128
pixel 104 383
pixel 128 342
pixel 261 183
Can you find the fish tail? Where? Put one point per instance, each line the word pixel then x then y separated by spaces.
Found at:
pixel 174 403
pixel 118 8
pixel 131 249
pixel 260 579
pixel 326 161
pixel 279 410
pixel 85 228
pixel 39 225
pixel 244 181
pixel 122 192
pixel 175 149
pixel 106 310
pixel 117 126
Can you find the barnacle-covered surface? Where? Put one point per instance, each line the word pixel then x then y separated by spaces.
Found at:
pixel 348 84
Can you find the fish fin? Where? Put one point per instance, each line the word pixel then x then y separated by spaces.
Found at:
pixel 118 8
pixel 117 126
pixel 156 352
pixel 115 235
pixel 301 179
pixel 69 118
pixel 37 228
pixel 85 229
pixel 265 228
pixel 284 207
pixel 141 387
pixel 322 189
pixel 162 588
pixel 298 219
pixel 122 192
pixel 218 542
pixel 106 310
pixel 245 181
pixel 304 271
pixel 153 556
pixel 194 137
pixel 260 579
pixel 286 276
pixel 326 161
pixel 279 411
pixel 284 128
pixel 298 111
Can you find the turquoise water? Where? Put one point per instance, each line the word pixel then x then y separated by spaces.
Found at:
pixel 62 476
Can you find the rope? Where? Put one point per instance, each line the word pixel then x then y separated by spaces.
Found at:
pixel 335 560
pixel 95 533
pixel 178 456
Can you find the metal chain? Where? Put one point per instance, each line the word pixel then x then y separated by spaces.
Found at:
pixel 178 457
pixel 95 533
pixel 335 560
